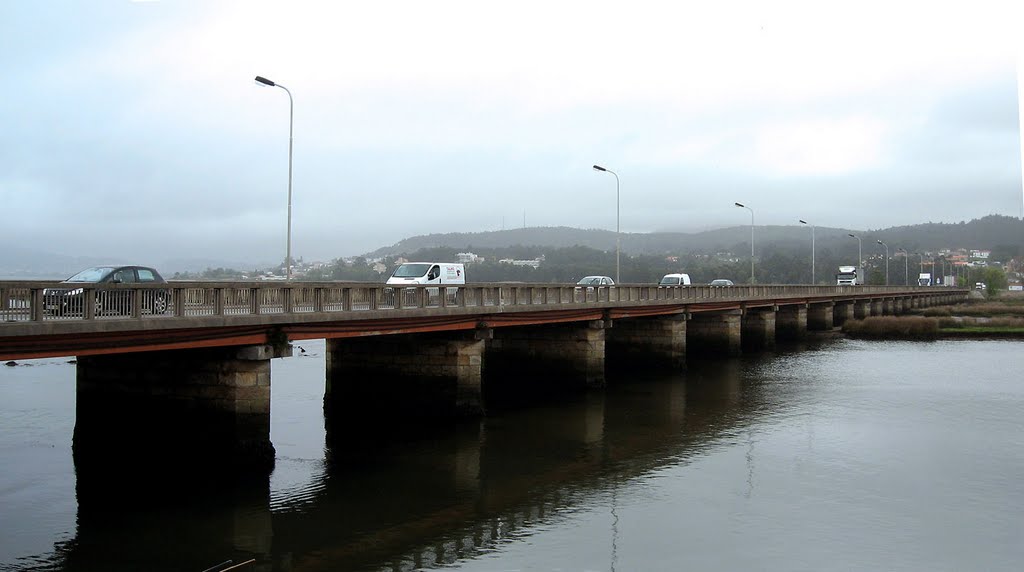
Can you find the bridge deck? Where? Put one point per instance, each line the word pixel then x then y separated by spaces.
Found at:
pixel 39 319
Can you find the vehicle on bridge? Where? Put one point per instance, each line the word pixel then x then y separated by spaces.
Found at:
pixel 412 273
pixel 721 282
pixel 675 280
pixel 849 276
pixel 429 273
pixel 924 279
pixel 596 281
pixel 69 300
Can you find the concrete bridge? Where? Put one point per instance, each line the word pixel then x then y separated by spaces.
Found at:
pixel 151 356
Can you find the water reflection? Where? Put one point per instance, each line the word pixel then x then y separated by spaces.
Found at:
pixel 773 450
pixel 412 499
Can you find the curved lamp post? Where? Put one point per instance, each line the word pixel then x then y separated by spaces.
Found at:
pixel 802 221
pixel 603 170
pixel 860 258
pixel 886 261
pixel 291 115
pixel 743 206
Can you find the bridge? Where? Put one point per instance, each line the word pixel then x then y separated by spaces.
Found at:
pixel 151 355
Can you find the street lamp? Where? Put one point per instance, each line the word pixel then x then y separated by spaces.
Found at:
pixel 886 261
pixel 743 206
pixel 860 258
pixel 802 221
pixel 291 115
pixel 603 170
pixel 906 273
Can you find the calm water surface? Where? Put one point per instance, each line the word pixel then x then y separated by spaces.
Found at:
pixel 847 455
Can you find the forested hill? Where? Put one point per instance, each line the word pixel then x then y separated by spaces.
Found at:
pixel 1002 234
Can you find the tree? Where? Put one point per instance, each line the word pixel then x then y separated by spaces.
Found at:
pixel 994 280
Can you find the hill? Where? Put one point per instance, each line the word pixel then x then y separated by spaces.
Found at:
pixel 1001 234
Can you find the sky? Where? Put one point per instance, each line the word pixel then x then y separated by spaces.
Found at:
pixel 134 129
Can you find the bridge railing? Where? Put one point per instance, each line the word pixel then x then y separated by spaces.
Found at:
pixel 53 302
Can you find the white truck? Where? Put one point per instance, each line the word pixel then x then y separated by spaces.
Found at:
pixel 849 276
pixel 924 279
pixel 429 274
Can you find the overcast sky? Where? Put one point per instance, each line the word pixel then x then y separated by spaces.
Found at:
pixel 135 129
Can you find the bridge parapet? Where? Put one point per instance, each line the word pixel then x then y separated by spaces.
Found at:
pixel 22 301
pixel 41 319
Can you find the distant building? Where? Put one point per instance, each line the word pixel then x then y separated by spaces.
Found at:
pixel 468 257
pixel 535 263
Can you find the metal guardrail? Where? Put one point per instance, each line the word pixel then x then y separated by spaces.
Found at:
pixel 22 302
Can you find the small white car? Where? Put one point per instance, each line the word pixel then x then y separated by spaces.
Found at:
pixel 596 281
pixel 721 282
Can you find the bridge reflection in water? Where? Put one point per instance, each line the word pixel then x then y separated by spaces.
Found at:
pixel 412 499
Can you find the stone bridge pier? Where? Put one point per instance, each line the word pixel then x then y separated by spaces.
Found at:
pixel 525 362
pixel 842 312
pixel 715 333
pixel 819 316
pixel 176 408
pixel 396 379
pixel 657 342
pixel 758 328
pixel 791 322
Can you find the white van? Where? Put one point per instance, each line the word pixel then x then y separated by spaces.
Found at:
pixel 412 273
pixel 675 280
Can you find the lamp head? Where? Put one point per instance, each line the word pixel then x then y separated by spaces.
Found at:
pixel 599 168
pixel 740 205
pixel 880 242
pixel 853 236
pixel 802 221
pixel 264 81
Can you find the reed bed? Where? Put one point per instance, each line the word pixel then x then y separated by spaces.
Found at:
pixel 893 327
pixel 959 323
pixel 1013 307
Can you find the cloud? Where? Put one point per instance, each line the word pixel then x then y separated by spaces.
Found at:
pixel 141 120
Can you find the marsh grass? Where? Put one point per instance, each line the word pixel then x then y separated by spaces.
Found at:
pixel 1003 316
pixel 957 323
pixel 983 309
pixel 893 327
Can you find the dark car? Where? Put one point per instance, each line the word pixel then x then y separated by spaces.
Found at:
pixel 68 300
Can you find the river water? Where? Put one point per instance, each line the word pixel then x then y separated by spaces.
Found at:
pixel 838 455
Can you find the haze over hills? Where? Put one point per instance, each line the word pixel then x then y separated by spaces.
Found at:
pixel 1002 234
pixel 988 233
